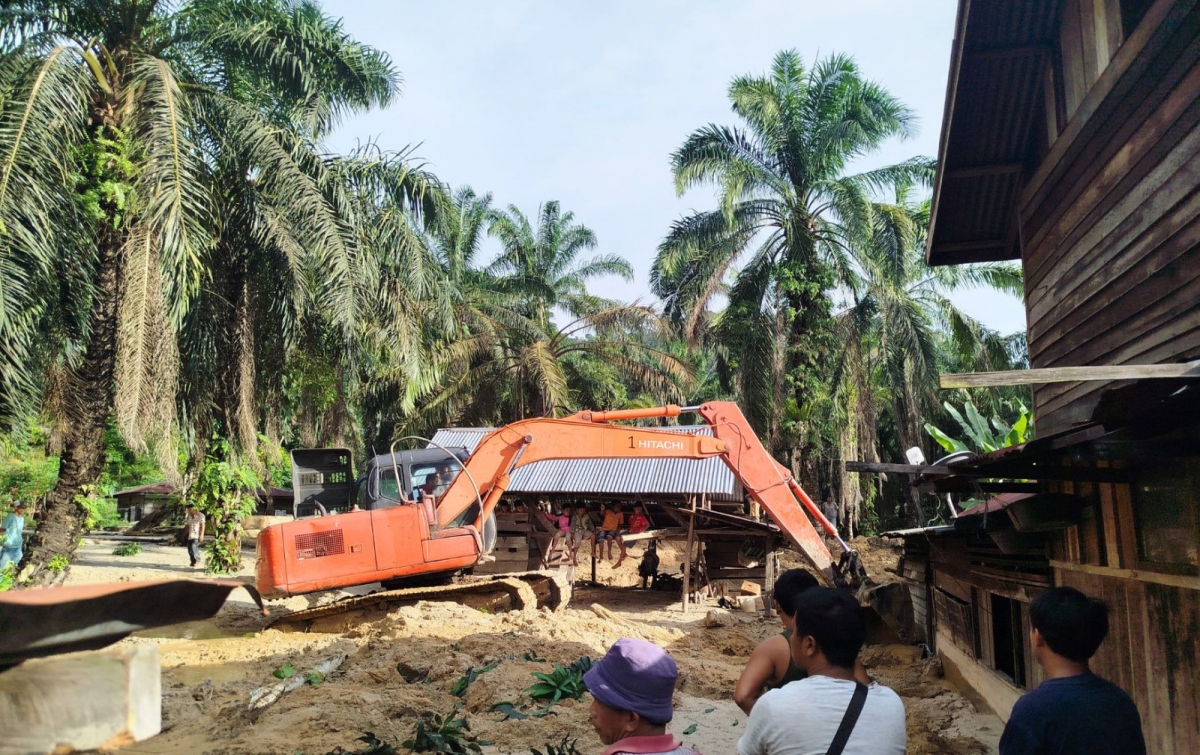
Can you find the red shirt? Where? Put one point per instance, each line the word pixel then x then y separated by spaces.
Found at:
pixel 638 523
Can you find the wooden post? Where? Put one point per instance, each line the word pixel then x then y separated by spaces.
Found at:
pixel 101 699
pixel 768 594
pixel 687 557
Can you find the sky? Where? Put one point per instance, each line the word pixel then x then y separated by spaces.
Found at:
pixel 583 102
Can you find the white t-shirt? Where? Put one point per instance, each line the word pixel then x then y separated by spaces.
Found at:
pixel 802 717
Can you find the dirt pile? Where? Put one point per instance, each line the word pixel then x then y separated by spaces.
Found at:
pixel 404 665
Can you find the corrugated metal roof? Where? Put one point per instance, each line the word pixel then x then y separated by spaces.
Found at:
pixel 613 476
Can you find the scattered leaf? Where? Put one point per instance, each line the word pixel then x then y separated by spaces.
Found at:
pixel 690 730
pixel 709 710
pixel 286 671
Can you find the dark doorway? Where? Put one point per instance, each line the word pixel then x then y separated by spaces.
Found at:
pixel 1008 641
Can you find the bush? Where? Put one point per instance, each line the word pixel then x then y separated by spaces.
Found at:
pixel 100 510
pixel 128 549
pixel 443 734
pixel 564 682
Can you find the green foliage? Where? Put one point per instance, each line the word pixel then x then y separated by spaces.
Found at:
pixel 224 493
pixel 443 734
pixel 984 437
pixel 26 472
pixel 106 182
pixel 8 577
pixel 372 745
pixel 563 683
pixel 286 671
pixel 460 686
pixel 100 511
pixel 565 747
pixel 128 549
pixel 58 564
pixel 508 710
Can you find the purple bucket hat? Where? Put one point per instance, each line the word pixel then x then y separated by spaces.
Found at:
pixel 635 675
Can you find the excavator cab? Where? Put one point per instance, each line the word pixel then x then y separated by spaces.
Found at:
pixel 355 531
pixel 323 481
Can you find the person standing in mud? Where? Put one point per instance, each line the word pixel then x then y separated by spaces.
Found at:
pixel 631 688
pixel 829 710
pixel 1073 711
pixel 194 533
pixel 771 665
pixel 830 509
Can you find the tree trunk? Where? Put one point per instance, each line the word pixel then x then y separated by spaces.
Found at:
pixel 82 459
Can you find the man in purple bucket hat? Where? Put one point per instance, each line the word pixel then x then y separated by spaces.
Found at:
pixel 631 690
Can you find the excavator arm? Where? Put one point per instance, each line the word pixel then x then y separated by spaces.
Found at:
pixel 587 435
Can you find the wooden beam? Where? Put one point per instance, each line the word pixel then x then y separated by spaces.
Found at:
pixel 1069 375
pixel 878 467
pixel 687 558
pixel 659 534
pixel 101 699
pixel 769 578
pixel 1172 580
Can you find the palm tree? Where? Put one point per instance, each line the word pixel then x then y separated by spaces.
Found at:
pixel 510 373
pixel 500 357
pixel 896 333
pixel 789 213
pixel 541 266
pixel 127 129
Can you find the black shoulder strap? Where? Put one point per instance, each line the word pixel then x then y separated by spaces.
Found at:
pixel 849 720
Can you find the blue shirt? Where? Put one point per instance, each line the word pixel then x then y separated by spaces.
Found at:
pixel 1075 715
pixel 13 526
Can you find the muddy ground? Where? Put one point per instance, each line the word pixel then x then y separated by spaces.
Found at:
pixel 402 666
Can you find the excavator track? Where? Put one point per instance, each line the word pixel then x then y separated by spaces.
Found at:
pixel 503 592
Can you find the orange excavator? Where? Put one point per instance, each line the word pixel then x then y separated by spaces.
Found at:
pixel 409 541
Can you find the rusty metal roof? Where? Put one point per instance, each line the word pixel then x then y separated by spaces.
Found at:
pixel 614 476
pixel 990 127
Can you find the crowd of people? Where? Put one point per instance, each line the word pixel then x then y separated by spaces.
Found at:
pixel 807 693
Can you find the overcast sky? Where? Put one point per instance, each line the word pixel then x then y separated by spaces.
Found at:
pixel 583 102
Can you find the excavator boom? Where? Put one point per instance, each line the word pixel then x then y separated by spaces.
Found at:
pixel 588 435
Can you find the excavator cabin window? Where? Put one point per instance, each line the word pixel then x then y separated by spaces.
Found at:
pixel 432 479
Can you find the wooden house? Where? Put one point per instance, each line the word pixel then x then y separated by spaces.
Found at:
pixel 1071 142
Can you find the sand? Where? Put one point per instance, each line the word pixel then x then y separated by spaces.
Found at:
pixel 403 666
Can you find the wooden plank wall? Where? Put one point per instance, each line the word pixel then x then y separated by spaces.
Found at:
pixel 915 571
pixel 1152 652
pixel 1110 222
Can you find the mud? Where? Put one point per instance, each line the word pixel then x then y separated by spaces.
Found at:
pixel 404 666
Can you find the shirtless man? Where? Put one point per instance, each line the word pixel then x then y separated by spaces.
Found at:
pixel 771 665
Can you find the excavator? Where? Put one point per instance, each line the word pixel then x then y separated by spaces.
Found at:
pixel 425 541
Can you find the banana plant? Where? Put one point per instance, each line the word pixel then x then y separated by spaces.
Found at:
pixel 983 436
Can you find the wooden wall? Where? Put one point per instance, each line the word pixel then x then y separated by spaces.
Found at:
pixel 1110 221
pixel 1153 653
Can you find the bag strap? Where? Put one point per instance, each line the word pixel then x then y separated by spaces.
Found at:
pixel 849 719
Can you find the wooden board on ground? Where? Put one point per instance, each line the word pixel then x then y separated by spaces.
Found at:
pixel 44 711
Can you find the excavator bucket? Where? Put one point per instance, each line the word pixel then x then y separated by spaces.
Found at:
pixel 888 606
